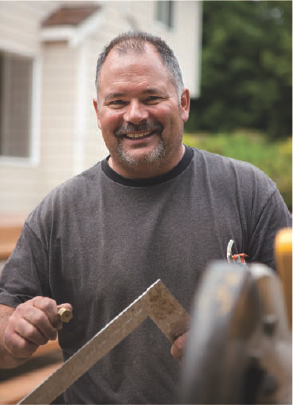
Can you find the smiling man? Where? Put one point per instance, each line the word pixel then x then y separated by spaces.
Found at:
pixel 152 209
pixel 141 109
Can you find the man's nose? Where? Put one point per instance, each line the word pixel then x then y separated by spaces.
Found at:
pixel 135 112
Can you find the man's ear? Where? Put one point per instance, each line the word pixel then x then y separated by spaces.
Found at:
pixel 96 107
pixel 185 104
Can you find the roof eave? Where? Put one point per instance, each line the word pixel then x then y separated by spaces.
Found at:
pixel 73 34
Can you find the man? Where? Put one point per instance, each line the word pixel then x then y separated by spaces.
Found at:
pixel 153 209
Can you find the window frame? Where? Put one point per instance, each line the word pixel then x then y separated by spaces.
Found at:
pixel 33 157
pixel 167 20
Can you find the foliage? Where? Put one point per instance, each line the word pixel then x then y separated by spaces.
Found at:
pixel 274 158
pixel 246 79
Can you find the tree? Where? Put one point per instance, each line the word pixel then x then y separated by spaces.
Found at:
pixel 246 79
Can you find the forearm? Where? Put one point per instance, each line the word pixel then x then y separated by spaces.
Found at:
pixel 6 359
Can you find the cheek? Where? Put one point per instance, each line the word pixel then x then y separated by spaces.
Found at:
pixel 109 122
pixel 170 118
pixel 163 115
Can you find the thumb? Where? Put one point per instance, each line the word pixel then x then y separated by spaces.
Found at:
pixel 178 347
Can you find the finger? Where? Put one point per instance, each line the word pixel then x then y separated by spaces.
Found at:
pixel 66 305
pixel 49 307
pixel 16 345
pixel 32 334
pixel 178 347
pixel 37 323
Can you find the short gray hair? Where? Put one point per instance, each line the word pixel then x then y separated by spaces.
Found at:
pixel 135 41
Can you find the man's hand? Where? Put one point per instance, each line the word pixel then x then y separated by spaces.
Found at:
pixel 178 347
pixel 32 324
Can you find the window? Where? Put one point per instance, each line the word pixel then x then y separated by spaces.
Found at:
pixel 165 12
pixel 16 76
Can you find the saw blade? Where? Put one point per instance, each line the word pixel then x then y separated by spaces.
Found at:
pixel 156 302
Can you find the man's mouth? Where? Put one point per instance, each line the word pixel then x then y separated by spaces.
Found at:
pixel 138 132
pixel 137 136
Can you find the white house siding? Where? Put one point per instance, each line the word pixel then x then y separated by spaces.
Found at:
pixel 20 181
pixel 59 77
pixel 93 145
pixel 185 39
pixel 19 24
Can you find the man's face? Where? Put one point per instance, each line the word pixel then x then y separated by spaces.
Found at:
pixel 140 115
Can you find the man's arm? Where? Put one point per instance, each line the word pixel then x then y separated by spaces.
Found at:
pixel 7 361
pixel 24 329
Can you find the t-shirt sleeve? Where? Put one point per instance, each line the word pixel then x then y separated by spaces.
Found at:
pixel 24 275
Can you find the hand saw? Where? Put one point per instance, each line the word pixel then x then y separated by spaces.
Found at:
pixel 156 302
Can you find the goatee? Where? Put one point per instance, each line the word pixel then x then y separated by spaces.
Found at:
pixel 151 157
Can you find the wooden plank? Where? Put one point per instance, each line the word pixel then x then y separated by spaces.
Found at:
pixel 17 383
pixel 51 347
pixel 14 389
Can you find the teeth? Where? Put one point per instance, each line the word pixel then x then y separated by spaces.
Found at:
pixel 138 136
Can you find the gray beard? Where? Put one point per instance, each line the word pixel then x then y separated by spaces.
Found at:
pixel 151 158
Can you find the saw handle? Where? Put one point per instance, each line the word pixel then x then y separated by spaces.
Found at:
pixel 65 314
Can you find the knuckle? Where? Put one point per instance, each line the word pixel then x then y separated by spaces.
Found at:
pixel 40 318
pixel 45 303
pixel 34 336
pixel 48 303
pixel 20 310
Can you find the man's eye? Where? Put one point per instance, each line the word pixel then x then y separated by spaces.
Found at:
pixel 117 103
pixel 153 99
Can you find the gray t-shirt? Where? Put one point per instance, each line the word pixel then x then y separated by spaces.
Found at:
pixel 99 240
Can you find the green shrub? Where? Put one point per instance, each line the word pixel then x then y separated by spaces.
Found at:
pixel 274 158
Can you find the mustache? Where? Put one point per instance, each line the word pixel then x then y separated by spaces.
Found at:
pixel 149 126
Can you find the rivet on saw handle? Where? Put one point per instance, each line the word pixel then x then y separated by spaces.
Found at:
pixel 65 314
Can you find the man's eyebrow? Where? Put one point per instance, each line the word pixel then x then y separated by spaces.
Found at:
pixel 114 95
pixel 151 90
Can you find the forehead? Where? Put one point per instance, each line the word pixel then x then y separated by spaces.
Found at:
pixel 134 66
